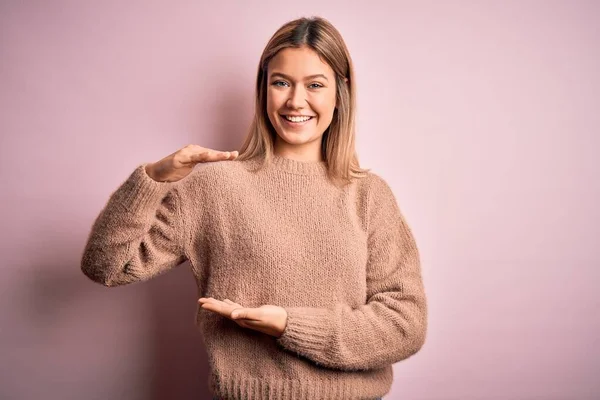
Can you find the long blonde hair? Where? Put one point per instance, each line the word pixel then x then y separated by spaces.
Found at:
pixel 338 145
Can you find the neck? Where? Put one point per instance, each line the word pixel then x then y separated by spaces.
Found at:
pixel 310 152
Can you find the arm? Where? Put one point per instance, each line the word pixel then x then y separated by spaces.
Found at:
pixel 137 235
pixel 392 325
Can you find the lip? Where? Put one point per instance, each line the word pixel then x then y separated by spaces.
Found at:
pixel 295 125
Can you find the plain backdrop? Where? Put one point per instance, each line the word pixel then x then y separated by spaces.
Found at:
pixel 483 116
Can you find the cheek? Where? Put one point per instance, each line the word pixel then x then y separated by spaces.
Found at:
pixel 275 99
pixel 324 106
pixel 269 101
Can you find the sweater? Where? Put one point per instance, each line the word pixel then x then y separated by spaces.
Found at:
pixel 342 261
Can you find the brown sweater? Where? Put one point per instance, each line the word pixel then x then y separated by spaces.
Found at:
pixel 342 262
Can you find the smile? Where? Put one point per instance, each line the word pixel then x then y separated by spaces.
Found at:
pixel 295 121
pixel 299 118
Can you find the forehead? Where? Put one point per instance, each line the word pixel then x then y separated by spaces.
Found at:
pixel 299 62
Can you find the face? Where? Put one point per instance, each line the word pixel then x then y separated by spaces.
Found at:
pixel 299 84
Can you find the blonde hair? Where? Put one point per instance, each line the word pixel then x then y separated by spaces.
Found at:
pixel 338 142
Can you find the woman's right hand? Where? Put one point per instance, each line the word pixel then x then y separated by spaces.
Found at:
pixel 180 164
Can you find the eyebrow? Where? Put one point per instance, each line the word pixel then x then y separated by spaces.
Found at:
pixel 305 78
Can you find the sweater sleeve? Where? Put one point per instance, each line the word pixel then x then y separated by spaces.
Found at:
pixel 137 235
pixel 392 325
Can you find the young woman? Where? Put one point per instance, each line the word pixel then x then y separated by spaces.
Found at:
pixel 308 275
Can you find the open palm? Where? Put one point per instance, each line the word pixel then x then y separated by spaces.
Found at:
pixel 268 319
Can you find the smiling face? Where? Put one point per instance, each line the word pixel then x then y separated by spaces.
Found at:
pixel 300 84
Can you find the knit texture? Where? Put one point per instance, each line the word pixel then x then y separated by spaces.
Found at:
pixel 342 262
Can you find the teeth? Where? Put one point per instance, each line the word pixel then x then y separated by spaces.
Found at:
pixel 297 119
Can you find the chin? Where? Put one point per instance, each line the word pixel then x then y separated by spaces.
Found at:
pixel 301 138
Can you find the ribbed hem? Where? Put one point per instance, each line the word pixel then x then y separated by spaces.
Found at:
pixel 307 331
pixel 372 384
pixel 139 191
pixel 299 167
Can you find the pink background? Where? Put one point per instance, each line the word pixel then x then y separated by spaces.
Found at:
pixel 482 115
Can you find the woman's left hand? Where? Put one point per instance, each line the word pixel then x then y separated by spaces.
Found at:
pixel 268 319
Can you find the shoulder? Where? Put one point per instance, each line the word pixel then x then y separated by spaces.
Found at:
pixel 377 186
pixel 211 177
pixel 380 196
pixel 217 170
pixel 372 194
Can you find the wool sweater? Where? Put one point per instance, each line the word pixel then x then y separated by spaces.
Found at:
pixel 342 261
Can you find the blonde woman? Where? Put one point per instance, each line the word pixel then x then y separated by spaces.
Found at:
pixel 309 280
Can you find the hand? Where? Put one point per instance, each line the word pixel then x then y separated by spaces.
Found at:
pixel 268 319
pixel 178 165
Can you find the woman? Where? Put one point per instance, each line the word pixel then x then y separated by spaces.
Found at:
pixel 308 275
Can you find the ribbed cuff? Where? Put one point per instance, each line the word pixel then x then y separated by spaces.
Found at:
pixel 308 332
pixel 140 192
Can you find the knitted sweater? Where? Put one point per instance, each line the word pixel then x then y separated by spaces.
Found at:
pixel 342 262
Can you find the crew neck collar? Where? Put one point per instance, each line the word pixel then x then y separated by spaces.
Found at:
pixel 299 167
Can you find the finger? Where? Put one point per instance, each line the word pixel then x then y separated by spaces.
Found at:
pixel 209 306
pixel 210 302
pixel 257 326
pixel 224 303
pixel 213 301
pixel 202 156
pixel 214 155
pixel 216 309
pixel 246 313
pixel 251 323
pixel 224 308
pixel 206 299
pixel 231 155
pixel 215 305
pixel 243 323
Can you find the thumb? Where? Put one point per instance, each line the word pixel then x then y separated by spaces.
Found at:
pixel 243 313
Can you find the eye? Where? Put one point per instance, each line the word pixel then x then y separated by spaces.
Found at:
pixel 282 83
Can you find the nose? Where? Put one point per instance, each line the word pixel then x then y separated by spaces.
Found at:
pixel 297 98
